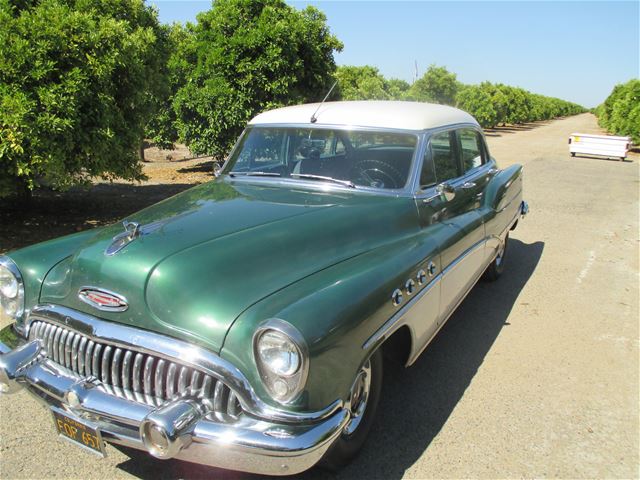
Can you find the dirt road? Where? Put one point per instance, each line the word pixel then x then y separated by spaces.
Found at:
pixel 535 375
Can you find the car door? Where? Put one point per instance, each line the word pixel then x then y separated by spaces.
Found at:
pixel 477 168
pixel 447 197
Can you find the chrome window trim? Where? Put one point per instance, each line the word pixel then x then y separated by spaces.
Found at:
pixel 174 350
pixel 427 134
pixel 484 152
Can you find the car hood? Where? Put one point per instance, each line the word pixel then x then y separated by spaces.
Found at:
pixel 211 252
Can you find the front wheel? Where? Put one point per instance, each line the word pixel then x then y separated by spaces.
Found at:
pixel 363 403
pixel 495 269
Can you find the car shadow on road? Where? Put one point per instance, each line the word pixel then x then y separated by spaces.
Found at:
pixel 416 402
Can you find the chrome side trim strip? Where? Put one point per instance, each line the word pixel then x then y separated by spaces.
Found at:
pixel 394 323
pixel 391 325
pixel 446 318
pixel 150 343
pixel 463 255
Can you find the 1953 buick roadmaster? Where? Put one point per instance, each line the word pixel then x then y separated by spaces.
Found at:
pixel 242 323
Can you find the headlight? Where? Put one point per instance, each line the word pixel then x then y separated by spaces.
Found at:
pixel 11 290
pixel 281 356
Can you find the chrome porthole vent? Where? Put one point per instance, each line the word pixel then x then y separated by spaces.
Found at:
pixel 432 269
pixel 396 297
pixel 410 286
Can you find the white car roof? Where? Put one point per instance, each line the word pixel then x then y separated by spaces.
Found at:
pixel 376 114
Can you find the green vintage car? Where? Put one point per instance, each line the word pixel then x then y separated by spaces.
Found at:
pixel 243 323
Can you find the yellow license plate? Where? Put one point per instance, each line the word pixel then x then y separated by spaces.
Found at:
pixel 78 432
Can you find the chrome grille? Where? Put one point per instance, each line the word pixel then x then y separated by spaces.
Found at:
pixel 136 376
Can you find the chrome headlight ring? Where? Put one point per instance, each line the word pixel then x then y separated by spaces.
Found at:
pixel 282 358
pixel 11 290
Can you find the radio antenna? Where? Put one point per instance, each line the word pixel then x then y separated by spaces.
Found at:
pixel 314 119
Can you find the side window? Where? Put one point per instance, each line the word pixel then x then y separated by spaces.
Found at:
pixel 471 149
pixel 444 157
pixel 427 175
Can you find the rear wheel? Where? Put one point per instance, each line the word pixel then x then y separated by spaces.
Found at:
pixel 363 402
pixel 495 269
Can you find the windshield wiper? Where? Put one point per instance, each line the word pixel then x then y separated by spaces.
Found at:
pixel 346 183
pixel 255 174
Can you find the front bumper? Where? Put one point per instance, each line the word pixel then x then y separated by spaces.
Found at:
pixel 250 444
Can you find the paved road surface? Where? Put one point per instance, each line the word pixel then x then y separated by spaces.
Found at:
pixel 534 376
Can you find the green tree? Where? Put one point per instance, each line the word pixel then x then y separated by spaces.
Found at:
pixel 162 128
pixel 475 100
pixel 245 56
pixel 78 82
pixel 620 112
pixel 361 83
pixel 436 85
pixel 397 88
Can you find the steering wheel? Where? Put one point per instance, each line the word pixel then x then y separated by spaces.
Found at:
pixel 377 174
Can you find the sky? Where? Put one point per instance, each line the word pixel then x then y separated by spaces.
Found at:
pixel 574 50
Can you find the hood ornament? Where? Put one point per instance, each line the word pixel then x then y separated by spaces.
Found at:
pixel 132 230
pixel 103 299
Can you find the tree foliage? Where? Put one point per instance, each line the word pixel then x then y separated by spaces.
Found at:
pixel 478 102
pixel 361 83
pixel 79 79
pixel 620 112
pixel 494 104
pixel 243 57
pixel 437 85
pixel 367 83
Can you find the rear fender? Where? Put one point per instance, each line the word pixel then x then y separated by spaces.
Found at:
pixel 502 204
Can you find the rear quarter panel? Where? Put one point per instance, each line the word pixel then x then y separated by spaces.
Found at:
pixel 501 204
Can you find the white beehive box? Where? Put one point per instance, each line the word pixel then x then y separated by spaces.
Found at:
pixel 603 145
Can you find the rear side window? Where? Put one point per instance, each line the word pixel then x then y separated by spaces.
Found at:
pixel 443 153
pixel 471 149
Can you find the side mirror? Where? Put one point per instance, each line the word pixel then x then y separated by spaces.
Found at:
pixel 447 191
pixel 217 169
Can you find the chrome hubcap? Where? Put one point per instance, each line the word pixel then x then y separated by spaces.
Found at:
pixel 359 397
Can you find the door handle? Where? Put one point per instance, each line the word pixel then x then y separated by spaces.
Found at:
pixel 468 185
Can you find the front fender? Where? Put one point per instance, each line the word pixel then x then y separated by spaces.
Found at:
pixel 336 310
pixel 36 261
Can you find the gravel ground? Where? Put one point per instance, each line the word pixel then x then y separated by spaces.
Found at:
pixel 536 375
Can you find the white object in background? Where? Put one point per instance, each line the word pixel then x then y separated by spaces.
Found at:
pixel 604 145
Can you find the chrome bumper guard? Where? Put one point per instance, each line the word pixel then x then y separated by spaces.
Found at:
pixel 178 429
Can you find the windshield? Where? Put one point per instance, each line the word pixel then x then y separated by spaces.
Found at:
pixel 349 157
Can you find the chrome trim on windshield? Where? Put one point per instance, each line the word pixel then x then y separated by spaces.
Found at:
pixel 174 350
